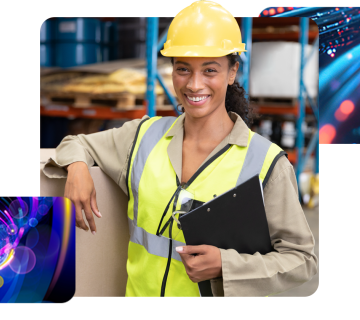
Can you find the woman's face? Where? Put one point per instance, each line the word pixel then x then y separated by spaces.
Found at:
pixel 201 83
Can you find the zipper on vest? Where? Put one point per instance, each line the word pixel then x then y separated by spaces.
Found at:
pixel 196 174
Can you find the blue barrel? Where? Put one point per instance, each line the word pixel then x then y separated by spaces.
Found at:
pixel 110 40
pixel 78 41
pixel 47 43
pixel 132 32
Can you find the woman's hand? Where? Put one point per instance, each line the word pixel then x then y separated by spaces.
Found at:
pixel 204 265
pixel 80 190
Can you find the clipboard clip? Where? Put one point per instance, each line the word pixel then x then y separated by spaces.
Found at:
pixel 177 221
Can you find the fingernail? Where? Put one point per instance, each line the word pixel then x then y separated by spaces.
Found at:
pixel 93 232
pixel 99 214
pixel 179 249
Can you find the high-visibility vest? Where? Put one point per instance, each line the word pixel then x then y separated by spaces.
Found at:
pixel 154 267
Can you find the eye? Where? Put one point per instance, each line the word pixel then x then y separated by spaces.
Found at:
pixel 182 69
pixel 210 70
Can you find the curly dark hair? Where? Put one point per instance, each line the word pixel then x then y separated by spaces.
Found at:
pixel 236 99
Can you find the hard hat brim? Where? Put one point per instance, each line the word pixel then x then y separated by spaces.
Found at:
pixel 198 51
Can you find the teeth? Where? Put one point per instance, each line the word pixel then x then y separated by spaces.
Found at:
pixel 197 98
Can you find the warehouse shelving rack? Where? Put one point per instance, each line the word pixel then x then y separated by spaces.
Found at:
pixel 153 47
pixel 98 112
pixel 313 145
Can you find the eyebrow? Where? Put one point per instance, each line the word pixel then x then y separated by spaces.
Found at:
pixel 204 64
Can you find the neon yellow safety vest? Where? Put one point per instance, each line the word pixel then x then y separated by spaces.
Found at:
pixel 154 267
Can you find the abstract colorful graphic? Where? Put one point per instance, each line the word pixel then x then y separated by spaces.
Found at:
pixel 37 249
pixel 339 69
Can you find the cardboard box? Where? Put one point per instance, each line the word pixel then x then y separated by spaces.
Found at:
pixel 100 259
pixel 275 70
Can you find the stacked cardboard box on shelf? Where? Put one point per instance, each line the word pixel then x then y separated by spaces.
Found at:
pixel 275 70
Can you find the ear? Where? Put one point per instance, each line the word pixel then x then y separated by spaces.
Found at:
pixel 232 73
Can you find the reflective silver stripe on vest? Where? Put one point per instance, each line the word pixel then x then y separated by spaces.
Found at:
pixel 254 158
pixel 153 244
pixel 151 137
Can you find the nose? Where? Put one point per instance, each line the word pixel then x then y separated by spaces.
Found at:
pixel 195 82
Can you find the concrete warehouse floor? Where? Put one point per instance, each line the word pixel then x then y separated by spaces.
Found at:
pixel 308 288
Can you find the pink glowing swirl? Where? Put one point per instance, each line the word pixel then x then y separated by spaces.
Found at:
pixel 9 216
pixel 6 248
pixel 4 222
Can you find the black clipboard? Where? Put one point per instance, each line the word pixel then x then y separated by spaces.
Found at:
pixel 234 220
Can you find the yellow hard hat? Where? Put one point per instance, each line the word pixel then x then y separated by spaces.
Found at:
pixel 203 29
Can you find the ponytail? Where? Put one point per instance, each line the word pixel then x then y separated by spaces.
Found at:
pixel 236 99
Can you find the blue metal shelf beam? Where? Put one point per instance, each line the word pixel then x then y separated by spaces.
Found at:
pixel 311 147
pixel 303 95
pixel 246 30
pixel 151 58
pixel 303 39
pixel 153 46
pixel 162 40
pixel 168 94
pixel 314 47
pixel 313 105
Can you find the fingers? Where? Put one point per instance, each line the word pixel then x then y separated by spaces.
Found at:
pixel 201 262
pixel 93 204
pixel 89 217
pixel 85 205
pixel 80 190
pixel 187 254
pixel 80 223
pixel 192 249
pixel 189 264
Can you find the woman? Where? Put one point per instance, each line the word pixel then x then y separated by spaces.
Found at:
pixel 207 150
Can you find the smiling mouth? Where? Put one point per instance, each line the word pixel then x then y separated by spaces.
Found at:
pixel 197 99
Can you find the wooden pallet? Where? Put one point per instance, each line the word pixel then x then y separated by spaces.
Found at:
pixel 274 101
pixel 121 101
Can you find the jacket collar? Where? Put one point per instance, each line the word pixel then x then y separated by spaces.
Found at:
pixel 239 134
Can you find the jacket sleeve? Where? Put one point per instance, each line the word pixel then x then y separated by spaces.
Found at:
pixel 110 150
pixel 292 263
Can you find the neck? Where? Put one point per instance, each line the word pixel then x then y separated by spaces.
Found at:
pixel 213 127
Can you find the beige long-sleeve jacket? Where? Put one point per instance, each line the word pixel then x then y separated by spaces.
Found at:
pixel 292 263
